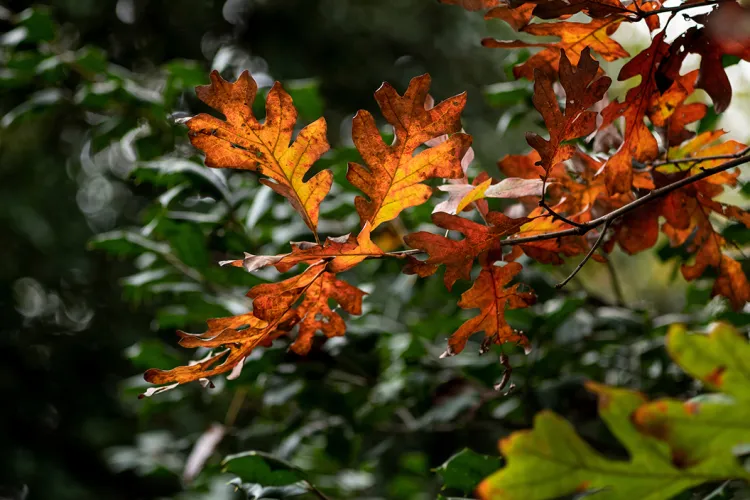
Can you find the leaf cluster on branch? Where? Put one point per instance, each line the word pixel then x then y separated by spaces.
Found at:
pixel 610 174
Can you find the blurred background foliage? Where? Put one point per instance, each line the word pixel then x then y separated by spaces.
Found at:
pixel 112 230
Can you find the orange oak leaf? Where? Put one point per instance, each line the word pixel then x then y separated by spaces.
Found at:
pixel 582 90
pixel 313 313
pixel 638 143
pixel 668 110
pixel 490 295
pixel 240 141
pixel 458 255
pixel 582 192
pixel 275 303
pixel 518 17
pixel 547 251
pixel 275 312
pixel 392 179
pixel 237 335
pixel 687 213
pixel 574 39
pixel 343 252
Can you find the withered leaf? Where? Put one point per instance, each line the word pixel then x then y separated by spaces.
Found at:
pixel 242 142
pixel 574 39
pixel 392 179
pixel 458 255
pixel 490 295
pixel 582 90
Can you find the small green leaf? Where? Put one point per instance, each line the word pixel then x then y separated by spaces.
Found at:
pixel 466 469
pixel 261 468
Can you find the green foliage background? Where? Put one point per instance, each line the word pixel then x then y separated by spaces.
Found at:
pixel 112 231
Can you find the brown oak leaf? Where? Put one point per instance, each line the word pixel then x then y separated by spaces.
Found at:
pixel 240 141
pixel 458 255
pixel 392 179
pixel 490 295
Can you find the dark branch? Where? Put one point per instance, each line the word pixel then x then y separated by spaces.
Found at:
pixel 580 265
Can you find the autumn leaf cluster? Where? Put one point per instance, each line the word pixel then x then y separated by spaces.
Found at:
pixel 610 174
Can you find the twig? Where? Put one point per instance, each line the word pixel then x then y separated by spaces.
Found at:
pixel 655 194
pixel 556 215
pixel 580 265
pixel 641 14
pixel 506 374
pixel 615 283
pixel 699 159
pixel 315 491
pixel 739 158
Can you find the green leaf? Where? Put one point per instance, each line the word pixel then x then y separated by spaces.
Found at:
pixel 721 360
pixel 466 469
pixel 551 460
pixel 672 445
pixel 261 468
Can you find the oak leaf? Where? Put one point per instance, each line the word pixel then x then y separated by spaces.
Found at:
pixel 343 252
pixel 277 308
pixel 458 255
pixel 392 179
pixel 490 295
pixel 240 141
pixel 582 90
pixel 552 461
pixel 638 143
pixel 574 39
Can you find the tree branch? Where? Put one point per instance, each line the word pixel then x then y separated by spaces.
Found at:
pixel 641 14
pixel 580 265
pixel 653 195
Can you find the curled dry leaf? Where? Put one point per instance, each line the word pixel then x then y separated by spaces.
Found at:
pixel 240 141
pixel 277 308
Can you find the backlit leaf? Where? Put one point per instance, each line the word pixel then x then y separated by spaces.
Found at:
pixel 242 142
pixel 393 175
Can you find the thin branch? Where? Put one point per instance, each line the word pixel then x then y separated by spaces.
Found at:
pixel 580 265
pixel 641 14
pixel 556 215
pixel 653 195
pixel 700 159
pixel 739 158
pixel 314 490
pixel 615 281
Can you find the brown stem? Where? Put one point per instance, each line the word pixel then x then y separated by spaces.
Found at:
pixel 700 159
pixel 580 265
pixel 641 14
pixel 615 281
pixel 315 491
